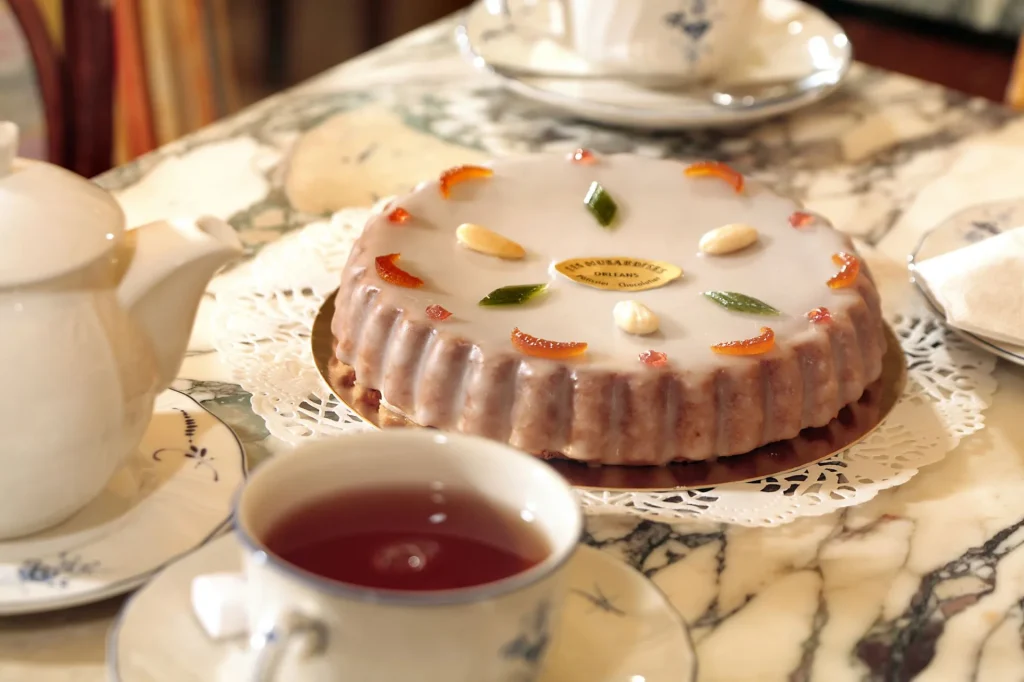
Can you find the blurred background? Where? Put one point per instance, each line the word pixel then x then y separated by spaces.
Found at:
pixel 95 83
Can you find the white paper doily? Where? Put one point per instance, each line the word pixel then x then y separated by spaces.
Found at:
pixel 265 311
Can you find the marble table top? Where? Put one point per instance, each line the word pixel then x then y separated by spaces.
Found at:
pixel 925 582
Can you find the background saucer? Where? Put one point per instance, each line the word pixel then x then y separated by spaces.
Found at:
pixel 962 229
pixel 793 41
pixel 168 499
pixel 616 627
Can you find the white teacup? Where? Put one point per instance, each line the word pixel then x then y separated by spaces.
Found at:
pixel 674 40
pixel 306 627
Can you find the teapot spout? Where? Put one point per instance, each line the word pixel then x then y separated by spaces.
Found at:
pixel 165 268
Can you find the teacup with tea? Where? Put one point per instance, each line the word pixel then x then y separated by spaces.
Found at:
pixel 405 555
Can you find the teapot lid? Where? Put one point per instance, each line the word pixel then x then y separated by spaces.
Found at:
pixel 51 220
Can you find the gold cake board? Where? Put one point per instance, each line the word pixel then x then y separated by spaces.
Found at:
pixel 853 424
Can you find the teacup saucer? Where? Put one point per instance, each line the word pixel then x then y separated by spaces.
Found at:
pixel 962 229
pixel 794 42
pixel 171 497
pixel 617 627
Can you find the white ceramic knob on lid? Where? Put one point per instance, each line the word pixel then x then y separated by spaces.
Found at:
pixel 51 221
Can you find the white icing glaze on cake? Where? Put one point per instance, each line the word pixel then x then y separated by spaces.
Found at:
pixel 464 373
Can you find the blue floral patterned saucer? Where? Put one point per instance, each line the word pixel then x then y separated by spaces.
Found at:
pixel 170 498
pixel 616 627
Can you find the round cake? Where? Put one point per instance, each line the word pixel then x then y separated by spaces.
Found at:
pixel 609 309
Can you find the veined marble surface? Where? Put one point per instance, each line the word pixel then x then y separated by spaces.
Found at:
pixel 924 583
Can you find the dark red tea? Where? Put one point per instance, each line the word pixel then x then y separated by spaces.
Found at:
pixel 408 539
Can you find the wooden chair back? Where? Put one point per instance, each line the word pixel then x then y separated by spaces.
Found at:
pixel 76 81
pixel 1015 89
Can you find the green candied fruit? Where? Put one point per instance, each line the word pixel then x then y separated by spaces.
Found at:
pixel 741 303
pixel 513 295
pixel 600 204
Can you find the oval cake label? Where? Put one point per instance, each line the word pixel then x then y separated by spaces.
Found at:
pixel 615 273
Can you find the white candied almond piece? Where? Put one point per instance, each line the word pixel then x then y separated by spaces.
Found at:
pixel 634 317
pixel 727 239
pixel 479 238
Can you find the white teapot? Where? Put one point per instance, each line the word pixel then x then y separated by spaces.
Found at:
pixel 94 322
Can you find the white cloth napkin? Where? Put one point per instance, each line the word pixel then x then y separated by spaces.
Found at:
pixel 981 286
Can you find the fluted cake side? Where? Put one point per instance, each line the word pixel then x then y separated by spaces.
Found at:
pixel 648 417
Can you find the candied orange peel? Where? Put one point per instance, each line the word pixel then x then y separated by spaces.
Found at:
pixel 399 216
pixel 438 312
pixel 388 271
pixel 756 346
pixel 583 156
pixel 801 219
pixel 654 358
pixel 820 315
pixel 542 348
pixel 716 169
pixel 849 268
pixel 454 176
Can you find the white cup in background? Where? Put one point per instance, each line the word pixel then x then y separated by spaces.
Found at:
pixel 675 40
